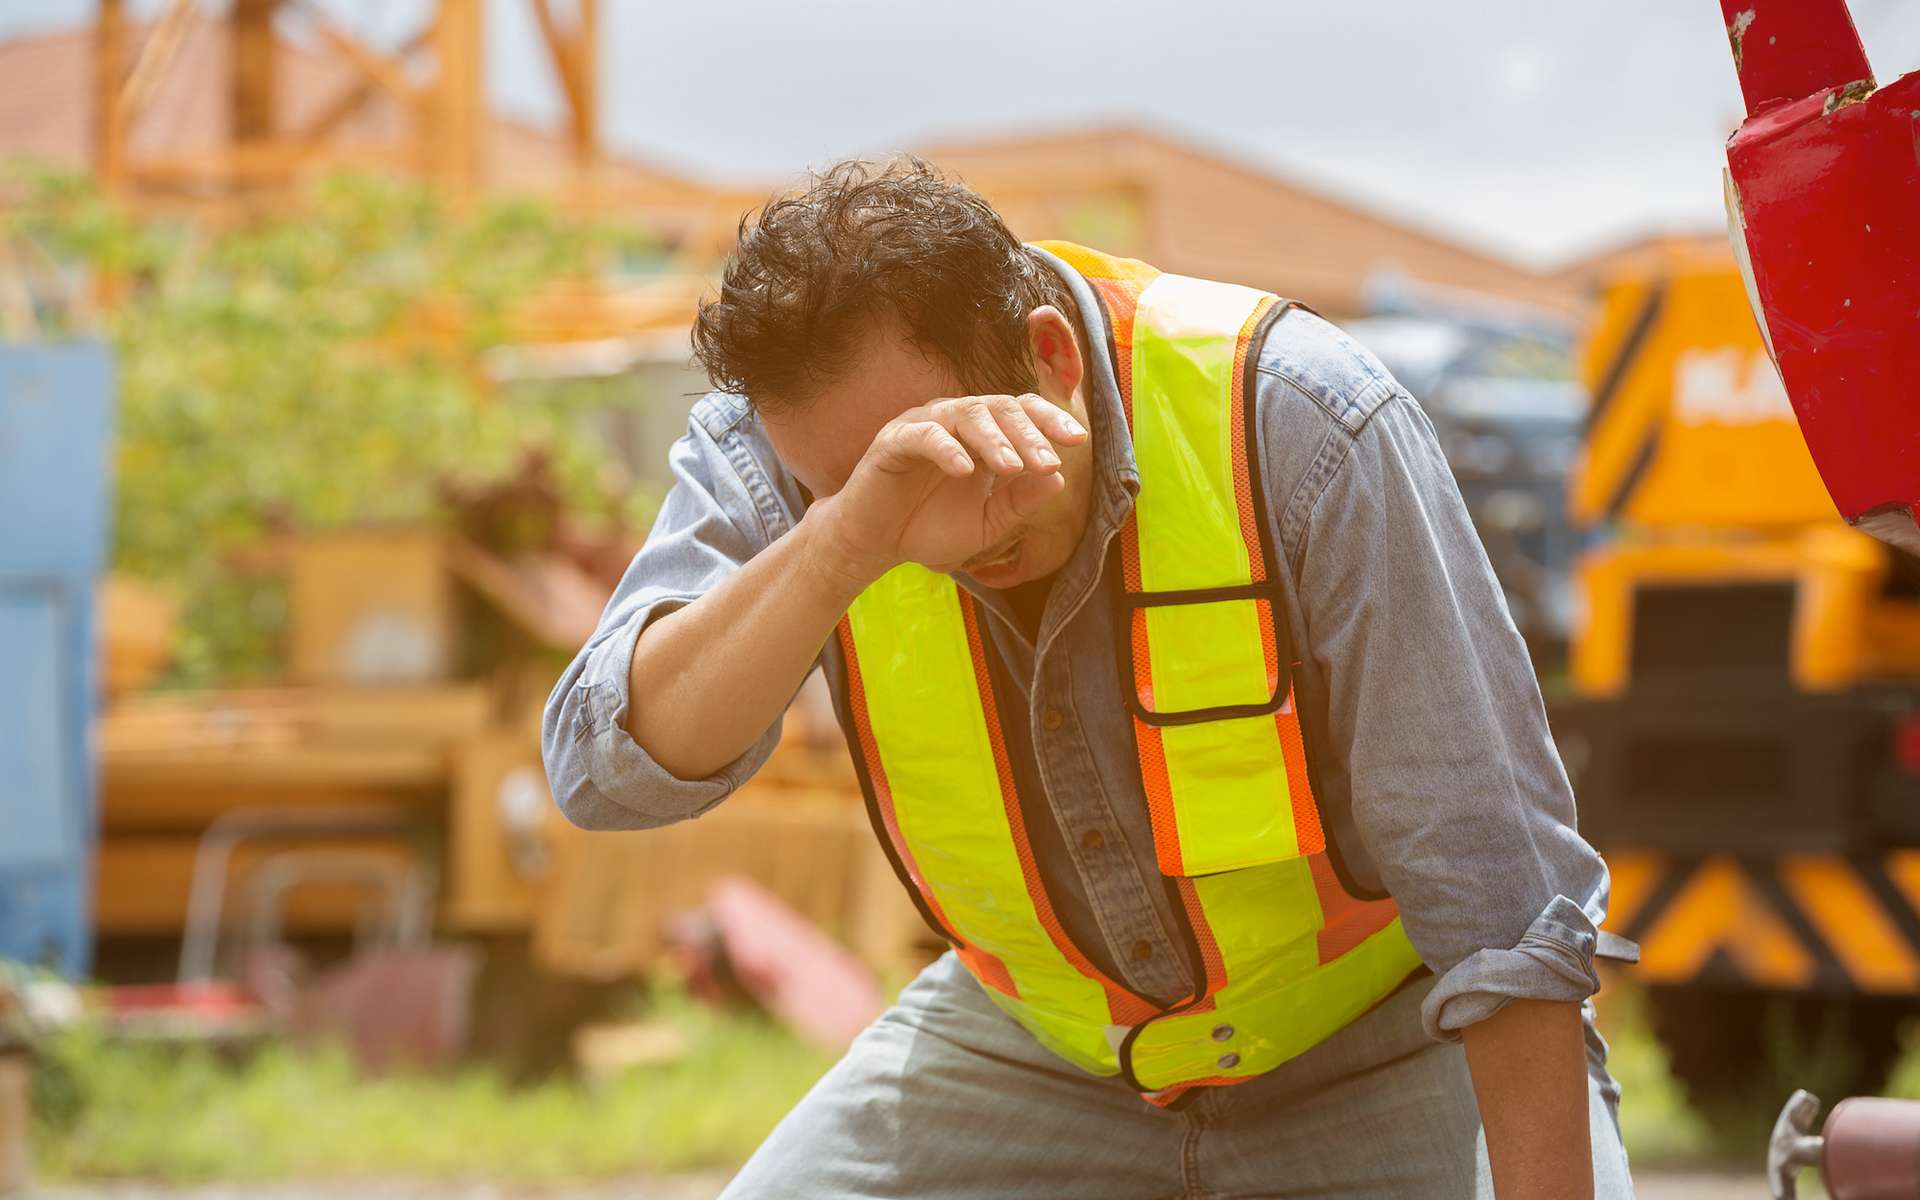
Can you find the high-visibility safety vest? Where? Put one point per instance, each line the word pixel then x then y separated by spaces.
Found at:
pixel 1284 954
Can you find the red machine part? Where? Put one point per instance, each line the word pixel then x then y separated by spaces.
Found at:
pixel 1824 199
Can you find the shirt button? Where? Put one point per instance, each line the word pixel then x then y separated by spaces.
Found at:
pixel 1091 840
pixel 1229 1061
pixel 1052 719
pixel 1222 1032
pixel 1142 950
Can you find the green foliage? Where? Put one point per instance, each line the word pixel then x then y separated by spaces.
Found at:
pixel 1903 1081
pixel 1656 1122
pixel 318 370
pixel 107 1110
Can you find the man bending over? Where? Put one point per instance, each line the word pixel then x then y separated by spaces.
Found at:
pixel 1186 705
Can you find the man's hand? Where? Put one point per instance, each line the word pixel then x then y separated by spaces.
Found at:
pixel 938 485
pixel 945 481
pixel 1529 1065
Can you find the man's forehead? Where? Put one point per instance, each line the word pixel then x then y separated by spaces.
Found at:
pixel 823 436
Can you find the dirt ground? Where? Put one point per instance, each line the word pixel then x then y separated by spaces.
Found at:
pixel 1651 1185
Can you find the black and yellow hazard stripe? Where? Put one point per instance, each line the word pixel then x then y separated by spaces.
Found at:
pixel 1804 922
pixel 1622 438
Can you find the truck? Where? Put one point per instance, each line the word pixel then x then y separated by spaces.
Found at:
pixel 1742 718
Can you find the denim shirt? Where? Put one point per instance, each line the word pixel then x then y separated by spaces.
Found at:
pixel 1437 778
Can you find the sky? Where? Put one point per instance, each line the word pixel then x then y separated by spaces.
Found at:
pixel 1538 129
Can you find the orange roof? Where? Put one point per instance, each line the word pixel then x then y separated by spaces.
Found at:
pixel 1191 210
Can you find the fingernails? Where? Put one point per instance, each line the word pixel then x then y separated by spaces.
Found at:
pixel 1073 427
pixel 1009 460
pixel 1047 456
pixel 961 462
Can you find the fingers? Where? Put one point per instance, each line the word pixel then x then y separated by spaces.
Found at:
pixel 1007 432
pixel 909 443
pixel 1036 452
pixel 1010 435
pixel 1055 422
pixel 975 422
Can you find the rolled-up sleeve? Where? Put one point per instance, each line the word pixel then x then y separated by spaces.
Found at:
pixel 709 524
pixel 1457 790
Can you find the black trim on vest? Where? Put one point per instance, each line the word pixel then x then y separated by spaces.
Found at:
pixel 1213 595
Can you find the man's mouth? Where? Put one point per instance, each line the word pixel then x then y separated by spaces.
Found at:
pixel 992 557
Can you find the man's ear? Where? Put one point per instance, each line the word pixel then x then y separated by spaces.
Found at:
pixel 1056 353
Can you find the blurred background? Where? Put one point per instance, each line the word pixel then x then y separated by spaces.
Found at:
pixel 341 345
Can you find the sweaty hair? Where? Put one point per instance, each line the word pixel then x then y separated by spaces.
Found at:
pixel 893 241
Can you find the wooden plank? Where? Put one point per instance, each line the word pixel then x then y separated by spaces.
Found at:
pixel 492 868
pixel 586 113
pixel 351 99
pixel 453 138
pixel 291 766
pixel 109 70
pixel 261 162
pixel 140 807
pixel 255 51
pixel 142 884
pixel 440 713
pixel 156 55
pixel 573 54
pixel 379 69
pixel 606 911
pixel 216 747
pixel 367 607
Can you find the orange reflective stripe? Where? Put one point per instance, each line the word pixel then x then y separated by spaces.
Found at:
pixel 1216 966
pixel 1120 293
pixel 1124 1006
pixel 1306 809
pixel 1348 919
pixel 1306 812
pixel 989 970
pixel 985 966
pixel 1168 1097
pixel 1242 486
pixel 1152 755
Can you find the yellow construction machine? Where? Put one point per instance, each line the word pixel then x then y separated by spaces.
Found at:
pixel 1745 729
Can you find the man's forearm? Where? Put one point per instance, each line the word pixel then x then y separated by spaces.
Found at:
pixel 1529 1069
pixel 708 679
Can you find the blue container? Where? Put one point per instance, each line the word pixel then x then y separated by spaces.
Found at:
pixel 55 405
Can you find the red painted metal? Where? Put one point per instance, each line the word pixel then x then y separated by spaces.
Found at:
pixel 1824 197
pixel 1786 49
pixel 800 974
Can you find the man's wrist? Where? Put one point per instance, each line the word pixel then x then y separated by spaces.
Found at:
pixel 827 560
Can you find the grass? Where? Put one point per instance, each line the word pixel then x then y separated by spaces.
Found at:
pixel 106 1110
pixel 1656 1122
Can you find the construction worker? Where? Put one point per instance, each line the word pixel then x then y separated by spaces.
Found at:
pixel 1187 708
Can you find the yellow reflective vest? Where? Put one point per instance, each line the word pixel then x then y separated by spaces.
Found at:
pixel 1284 955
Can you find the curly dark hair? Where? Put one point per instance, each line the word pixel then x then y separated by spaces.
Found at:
pixel 894 239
